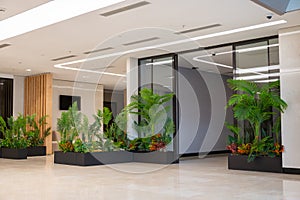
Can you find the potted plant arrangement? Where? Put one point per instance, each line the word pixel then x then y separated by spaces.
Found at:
pixel 257 146
pixel 14 143
pixel 154 127
pixel 85 144
pixel 35 136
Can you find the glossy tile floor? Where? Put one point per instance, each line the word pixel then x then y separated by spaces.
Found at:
pixel 208 179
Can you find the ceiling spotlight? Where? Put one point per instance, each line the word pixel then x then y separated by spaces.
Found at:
pixel 269 16
pixel 28 70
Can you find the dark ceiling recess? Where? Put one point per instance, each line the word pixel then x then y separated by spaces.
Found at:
pixel 125 8
pixel 141 41
pixel 98 50
pixel 4 45
pixel 63 58
pixel 198 28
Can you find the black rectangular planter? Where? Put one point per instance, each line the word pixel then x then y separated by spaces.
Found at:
pixel 14 153
pixel 93 158
pixel 0 152
pixel 36 151
pixel 262 164
pixel 155 157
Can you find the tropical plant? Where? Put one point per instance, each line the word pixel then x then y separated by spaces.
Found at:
pixel 34 134
pixel 153 124
pixel 13 132
pixel 255 105
pixel 152 111
pixel 77 135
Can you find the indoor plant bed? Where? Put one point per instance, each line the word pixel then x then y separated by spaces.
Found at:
pixel 36 134
pixel 84 144
pixel 36 151
pixel 256 147
pixel 155 157
pixel 153 125
pixel 14 142
pixel 14 153
pixel 92 158
pixel 261 163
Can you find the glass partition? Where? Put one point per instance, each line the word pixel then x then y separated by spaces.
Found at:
pixel 158 75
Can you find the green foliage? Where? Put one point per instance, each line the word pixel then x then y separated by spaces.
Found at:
pixel 255 104
pixel 13 132
pixel 236 138
pixel 104 134
pixel 154 126
pixel 34 135
pixel 152 111
pixel 69 123
pixel 80 147
pixel 263 147
pixel 78 135
pixel 66 146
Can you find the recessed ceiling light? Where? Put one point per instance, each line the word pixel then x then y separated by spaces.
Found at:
pixel 28 70
pixel 164 62
pixel 141 41
pixel 4 45
pixel 63 58
pixel 98 50
pixel 48 14
pixel 125 8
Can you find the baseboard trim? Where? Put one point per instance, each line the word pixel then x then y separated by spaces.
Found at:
pixel 291 170
pixel 204 153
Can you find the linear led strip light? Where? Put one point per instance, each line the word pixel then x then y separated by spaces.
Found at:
pixel 240 50
pixel 238 30
pixel 261 76
pixel 267 81
pixel 160 62
pixel 257 70
pixel 49 13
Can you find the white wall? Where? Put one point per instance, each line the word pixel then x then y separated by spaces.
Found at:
pixel 18 95
pixel 91 97
pixel 132 88
pixel 289 42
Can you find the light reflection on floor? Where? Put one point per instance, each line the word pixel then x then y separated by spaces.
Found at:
pixel 193 179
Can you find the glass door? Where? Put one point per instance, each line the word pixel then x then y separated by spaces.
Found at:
pixel 159 75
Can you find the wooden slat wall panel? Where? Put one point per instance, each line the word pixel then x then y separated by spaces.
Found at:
pixel 38 100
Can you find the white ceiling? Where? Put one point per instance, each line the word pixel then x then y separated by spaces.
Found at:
pixel 161 18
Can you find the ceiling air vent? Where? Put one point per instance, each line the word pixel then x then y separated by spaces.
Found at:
pixel 98 50
pixel 100 68
pixel 141 41
pixel 199 29
pixel 4 45
pixel 125 8
pixel 63 58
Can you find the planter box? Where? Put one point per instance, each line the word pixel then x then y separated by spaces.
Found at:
pixel 36 151
pixel 262 164
pixel 155 157
pixel 14 153
pixel 0 152
pixel 93 158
